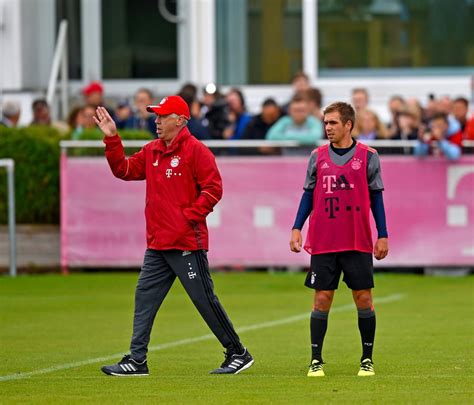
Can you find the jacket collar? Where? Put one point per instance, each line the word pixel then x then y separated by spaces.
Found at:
pixel 181 137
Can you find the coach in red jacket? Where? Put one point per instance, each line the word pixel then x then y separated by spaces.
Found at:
pixel 183 185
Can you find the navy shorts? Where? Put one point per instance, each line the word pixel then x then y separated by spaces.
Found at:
pixel 326 269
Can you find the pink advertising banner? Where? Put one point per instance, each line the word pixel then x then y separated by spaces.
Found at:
pixel 429 205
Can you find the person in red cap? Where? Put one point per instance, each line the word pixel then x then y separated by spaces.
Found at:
pixel 93 94
pixel 183 184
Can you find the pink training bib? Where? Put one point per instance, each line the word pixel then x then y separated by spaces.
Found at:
pixel 340 219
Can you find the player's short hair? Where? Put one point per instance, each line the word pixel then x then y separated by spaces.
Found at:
pixel 345 110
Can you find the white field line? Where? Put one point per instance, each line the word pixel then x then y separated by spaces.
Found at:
pixel 182 342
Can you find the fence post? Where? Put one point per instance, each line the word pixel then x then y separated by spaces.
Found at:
pixel 9 164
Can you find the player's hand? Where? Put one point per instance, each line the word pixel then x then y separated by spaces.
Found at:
pixel 105 122
pixel 381 248
pixel 296 241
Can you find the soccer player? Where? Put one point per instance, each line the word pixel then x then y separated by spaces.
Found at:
pixel 183 185
pixel 343 183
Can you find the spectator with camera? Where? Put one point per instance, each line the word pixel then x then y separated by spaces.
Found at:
pixel 438 141
pixel 214 111
pixel 189 94
pixel 237 115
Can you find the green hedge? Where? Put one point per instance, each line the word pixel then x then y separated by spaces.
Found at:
pixel 36 154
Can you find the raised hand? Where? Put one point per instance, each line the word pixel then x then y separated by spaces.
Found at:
pixel 105 122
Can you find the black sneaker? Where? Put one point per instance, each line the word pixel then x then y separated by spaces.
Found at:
pixel 234 363
pixel 127 367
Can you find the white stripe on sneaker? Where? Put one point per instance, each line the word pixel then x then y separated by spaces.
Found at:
pixel 122 366
pixel 132 367
pixel 129 374
pixel 245 367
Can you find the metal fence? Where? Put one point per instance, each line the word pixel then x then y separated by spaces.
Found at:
pixel 395 145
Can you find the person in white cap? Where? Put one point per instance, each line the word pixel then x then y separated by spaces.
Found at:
pixel 11 111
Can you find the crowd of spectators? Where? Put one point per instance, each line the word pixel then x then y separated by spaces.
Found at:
pixel 439 127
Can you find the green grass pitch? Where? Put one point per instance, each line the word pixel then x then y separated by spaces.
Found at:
pixel 49 324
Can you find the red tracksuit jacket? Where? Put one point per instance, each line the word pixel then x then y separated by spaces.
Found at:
pixel 183 184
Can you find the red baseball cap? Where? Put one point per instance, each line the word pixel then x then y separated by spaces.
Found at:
pixel 93 87
pixel 171 105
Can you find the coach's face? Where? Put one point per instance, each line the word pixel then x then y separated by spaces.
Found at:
pixel 167 127
pixel 335 129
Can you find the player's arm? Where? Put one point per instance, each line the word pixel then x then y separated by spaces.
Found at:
pixel 209 183
pixel 377 206
pixel 305 207
pixel 378 211
pixel 304 210
pixel 132 168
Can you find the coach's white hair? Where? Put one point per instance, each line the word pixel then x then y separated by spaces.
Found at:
pixel 185 121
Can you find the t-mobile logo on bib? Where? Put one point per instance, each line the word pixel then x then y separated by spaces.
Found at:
pixel 328 182
pixel 332 183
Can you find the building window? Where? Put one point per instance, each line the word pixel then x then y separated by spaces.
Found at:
pixel 258 41
pixel 70 10
pixel 137 42
pixel 423 36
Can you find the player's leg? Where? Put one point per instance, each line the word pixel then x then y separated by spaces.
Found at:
pixel 367 323
pixel 359 277
pixel 154 282
pixel 324 277
pixel 319 321
pixel 192 270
